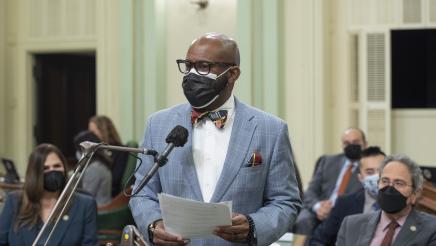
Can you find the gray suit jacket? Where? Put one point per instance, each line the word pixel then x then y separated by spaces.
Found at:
pixel 324 179
pixel 267 192
pixel 358 230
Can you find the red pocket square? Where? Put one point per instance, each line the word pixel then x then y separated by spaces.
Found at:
pixel 255 159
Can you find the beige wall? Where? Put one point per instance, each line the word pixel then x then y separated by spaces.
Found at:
pixel 296 58
pixel 305 82
pixel 2 76
pixel 183 23
pixel 414 134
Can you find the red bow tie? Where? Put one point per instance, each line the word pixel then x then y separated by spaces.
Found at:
pixel 219 117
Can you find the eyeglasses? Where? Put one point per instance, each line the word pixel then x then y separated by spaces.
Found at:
pixel 202 67
pixel 397 184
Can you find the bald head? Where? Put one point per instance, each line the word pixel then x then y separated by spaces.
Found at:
pixel 222 55
pixel 218 47
pixel 353 135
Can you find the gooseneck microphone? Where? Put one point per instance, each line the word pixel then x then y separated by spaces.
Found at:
pixel 176 138
pixel 88 146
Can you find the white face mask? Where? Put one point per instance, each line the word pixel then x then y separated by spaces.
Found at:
pixel 209 75
pixel 370 183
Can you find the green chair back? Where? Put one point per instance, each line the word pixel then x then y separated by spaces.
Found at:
pixel 130 165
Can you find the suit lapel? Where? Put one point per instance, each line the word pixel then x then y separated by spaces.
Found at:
pixel 411 228
pixel 64 223
pixel 242 132
pixel 369 229
pixel 359 202
pixel 188 160
pixel 58 233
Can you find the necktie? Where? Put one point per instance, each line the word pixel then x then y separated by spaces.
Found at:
pixel 387 240
pixel 219 117
pixel 345 179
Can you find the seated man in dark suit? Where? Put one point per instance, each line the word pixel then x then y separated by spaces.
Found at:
pixel 398 223
pixel 362 201
pixel 334 175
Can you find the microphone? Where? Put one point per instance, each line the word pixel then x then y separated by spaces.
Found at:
pixel 88 146
pixel 176 138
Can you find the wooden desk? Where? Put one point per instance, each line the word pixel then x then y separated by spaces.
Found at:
pixel 9 187
pixel 5 187
pixel 427 201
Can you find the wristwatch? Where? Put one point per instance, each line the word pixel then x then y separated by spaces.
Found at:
pixel 151 228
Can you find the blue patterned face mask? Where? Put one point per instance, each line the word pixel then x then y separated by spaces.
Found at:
pixel 370 183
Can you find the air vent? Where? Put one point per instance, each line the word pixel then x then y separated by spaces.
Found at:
pixel 376 67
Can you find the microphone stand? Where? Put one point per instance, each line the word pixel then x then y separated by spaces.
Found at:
pixel 66 195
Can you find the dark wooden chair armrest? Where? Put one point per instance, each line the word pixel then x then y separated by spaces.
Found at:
pixel 117 202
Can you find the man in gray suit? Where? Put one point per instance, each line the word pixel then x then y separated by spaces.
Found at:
pixel 234 153
pixel 330 181
pixel 398 223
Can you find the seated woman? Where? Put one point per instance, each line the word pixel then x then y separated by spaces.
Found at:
pixel 25 211
pixel 105 130
pixel 97 179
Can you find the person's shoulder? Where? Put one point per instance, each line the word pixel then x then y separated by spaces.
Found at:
pixel 426 218
pixel 348 199
pixel 99 165
pixel 358 193
pixel 14 197
pixel 332 157
pixel 360 218
pixel 168 112
pixel 84 199
pixel 258 114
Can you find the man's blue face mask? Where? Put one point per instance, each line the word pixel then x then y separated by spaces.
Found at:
pixel 370 183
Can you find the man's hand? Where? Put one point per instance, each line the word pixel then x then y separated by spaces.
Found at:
pixel 324 210
pixel 237 232
pixel 161 237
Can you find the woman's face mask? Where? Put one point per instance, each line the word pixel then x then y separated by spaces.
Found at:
pixel 203 90
pixel 54 181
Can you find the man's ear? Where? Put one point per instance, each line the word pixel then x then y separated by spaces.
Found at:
pixel 360 177
pixel 234 74
pixel 416 195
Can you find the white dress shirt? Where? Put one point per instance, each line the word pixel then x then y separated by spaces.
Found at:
pixel 209 149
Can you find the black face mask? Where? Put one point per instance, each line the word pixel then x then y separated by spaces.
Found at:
pixel 54 181
pixel 391 200
pixel 353 151
pixel 200 90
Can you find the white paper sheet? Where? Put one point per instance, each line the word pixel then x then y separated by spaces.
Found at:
pixel 193 219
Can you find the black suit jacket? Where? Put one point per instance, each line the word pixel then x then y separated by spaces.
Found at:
pixel 326 232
